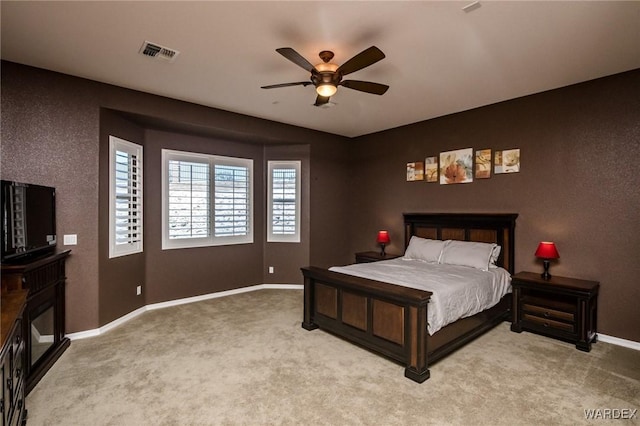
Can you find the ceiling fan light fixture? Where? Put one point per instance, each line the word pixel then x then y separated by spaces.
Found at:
pixel 326 67
pixel 326 90
pixel 327 76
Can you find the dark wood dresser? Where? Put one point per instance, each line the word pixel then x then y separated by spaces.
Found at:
pixel 560 307
pixel 12 357
pixel 43 321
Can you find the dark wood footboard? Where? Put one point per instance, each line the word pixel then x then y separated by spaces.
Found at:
pixel 385 318
pixel 391 319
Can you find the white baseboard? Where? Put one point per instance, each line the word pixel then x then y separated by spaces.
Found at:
pixel 110 326
pixel 618 341
pixel 223 294
pixel 115 323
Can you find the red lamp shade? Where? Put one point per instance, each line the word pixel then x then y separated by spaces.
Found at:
pixel 547 250
pixel 383 237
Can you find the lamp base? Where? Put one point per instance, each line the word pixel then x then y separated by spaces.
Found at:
pixel 545 275
pixel 382 253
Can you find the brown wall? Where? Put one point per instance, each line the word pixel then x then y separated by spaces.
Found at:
pixel 330 210
pixel 579 184
pixel 118 277
pixel 175 274
pixel 55 132
pixel 50 127
pixel 286 258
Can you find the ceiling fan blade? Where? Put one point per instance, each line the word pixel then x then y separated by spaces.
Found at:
pixel 321 100
pixel 275 86
pixel 363 59
pixel 296 58
pixel 365 86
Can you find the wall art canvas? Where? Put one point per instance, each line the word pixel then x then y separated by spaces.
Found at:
pixel 415 171
pixel 483 164
pixel 506 161
pixel 431 169
pixel 456 166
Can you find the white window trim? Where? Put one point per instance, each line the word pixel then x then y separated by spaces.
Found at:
pixel 280 238
pixel 212 160
pixel 117 144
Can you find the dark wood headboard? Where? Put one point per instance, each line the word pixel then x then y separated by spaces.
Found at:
pixel 480 227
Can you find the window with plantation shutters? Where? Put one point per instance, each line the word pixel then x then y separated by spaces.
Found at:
pixel 283 222
pixel 207 200
pixel 188 188
pixel 125 197
pixel 231 200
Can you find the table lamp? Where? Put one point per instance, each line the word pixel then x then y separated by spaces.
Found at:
pixel 547 251
pixel 383 240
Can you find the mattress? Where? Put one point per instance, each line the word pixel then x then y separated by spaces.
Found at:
pixel 457 291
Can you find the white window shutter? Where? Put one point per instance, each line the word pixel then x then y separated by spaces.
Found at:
pixel 207 200
pixel 125 197
pixel 283 222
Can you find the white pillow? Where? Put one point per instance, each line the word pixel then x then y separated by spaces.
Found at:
pixel 468 253
pixel 494 256
pixel 424 249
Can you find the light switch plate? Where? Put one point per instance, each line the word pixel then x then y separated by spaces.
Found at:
pixel 70 239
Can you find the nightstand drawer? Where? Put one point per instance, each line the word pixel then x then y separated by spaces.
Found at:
pixel 548 323
pixel 374 256
pixel 546 312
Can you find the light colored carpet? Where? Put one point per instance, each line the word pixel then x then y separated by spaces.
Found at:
pixel 244 359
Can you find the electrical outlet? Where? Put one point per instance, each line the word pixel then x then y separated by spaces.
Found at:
pixel 139 290
pixel 271 269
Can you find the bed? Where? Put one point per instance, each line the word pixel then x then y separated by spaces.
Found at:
pixel 390 319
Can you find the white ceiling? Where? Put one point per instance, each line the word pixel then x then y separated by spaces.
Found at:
pixel 440 59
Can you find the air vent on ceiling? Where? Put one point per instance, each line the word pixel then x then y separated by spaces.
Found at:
pixel 154 50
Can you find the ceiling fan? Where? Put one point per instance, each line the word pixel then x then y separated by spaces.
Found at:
pixel 327 76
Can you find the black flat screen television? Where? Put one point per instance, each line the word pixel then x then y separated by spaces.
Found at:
pixel 28 217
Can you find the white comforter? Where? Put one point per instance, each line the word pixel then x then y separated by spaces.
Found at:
pixel 458 291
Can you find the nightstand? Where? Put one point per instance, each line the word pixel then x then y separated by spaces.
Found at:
pixel 563 308
pixel 374 256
